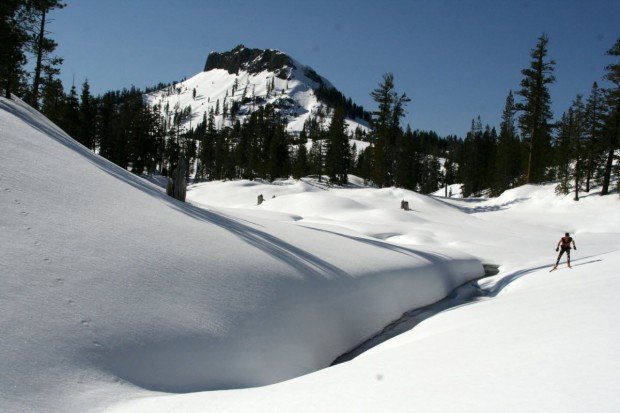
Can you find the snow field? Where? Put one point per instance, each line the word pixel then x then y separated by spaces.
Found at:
pixel 112 291
pixel 547 342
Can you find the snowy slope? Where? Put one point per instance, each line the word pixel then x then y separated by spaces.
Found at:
pixel 294 93
pixel 546 343
pixel 112 291
pixel 534 341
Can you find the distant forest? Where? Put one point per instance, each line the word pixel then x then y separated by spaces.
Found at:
pixel 530 146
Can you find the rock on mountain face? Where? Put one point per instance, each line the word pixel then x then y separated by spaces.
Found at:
pixel 239 81
pixel 250 60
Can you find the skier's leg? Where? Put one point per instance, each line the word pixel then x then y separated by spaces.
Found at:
pixel 559 256
pixel 568 258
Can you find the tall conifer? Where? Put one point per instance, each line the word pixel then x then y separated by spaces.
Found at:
pixel 535 108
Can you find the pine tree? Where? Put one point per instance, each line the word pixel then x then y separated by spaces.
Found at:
pixel 207 147
pixel 386 128
pixel 338 155
pixel 577 132
pixel 535 108
pixel 52 98
pixel 508 150
pixel 449 174
pixel 14 20
pixel 471 170
pixel 43 46
pixel 612 118
pixel 563 153
pixel 315 157
pixel 405 171
pixel 87 117
pixel 301 167
pixel 594 125
pixel 363 165
pixel 70 120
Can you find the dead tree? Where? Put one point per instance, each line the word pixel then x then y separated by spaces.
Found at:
pixel 177 185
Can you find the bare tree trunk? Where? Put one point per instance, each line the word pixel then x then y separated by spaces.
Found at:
pixel 589 171
pixel 577 180
pixel 37 69
pixel 610 154
pixel 607 176
pixel 177 186
pixel 529 163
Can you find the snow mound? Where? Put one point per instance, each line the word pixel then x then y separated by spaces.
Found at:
pixel 111 290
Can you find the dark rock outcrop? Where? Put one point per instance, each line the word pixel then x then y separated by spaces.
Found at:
pixel 250 60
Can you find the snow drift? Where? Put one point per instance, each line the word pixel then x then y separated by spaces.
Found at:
pixel 110 288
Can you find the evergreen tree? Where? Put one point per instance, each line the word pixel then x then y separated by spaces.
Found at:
pixel 207 147
pixel 612 118
pixel 430 176
pixel 88 112
pixel 386 128
pixel 363 165
pixel 508 161
pixel 449 174
pixel 70 120
pixel 536 111
pixel 577 132
pixel 278 160
pixel 470 170
pixel 563 154
pixel 594 132
pixel 406 158
pixel 301 167
pixel 488 152
pixel 42 46
pixel 313 127
pixel 52 98
pixel 316 156
pixel 14 20
pixel 338 155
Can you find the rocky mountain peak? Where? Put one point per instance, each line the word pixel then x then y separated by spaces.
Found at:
pixel 251 60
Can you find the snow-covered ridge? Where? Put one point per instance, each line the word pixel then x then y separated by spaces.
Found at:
pixel 251 78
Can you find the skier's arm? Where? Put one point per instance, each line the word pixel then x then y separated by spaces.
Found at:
pixel 574 246
pixel 558 246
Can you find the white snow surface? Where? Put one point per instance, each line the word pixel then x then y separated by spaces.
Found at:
pixel 112 291
pixel 114 296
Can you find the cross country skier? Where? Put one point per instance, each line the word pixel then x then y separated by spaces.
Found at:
pixel 564 244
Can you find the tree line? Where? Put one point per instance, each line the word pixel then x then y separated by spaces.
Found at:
pixel 530 148
pixel 578 150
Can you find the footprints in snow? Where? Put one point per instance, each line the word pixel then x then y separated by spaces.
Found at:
pixel 26 226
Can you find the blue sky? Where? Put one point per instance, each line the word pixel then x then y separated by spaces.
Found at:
pixel 455 59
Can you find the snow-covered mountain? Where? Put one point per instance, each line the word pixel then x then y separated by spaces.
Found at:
pixel 245 79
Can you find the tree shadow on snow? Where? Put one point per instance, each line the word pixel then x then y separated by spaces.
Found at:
pixel 295 257
pixel 434 257
pixel 480 209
